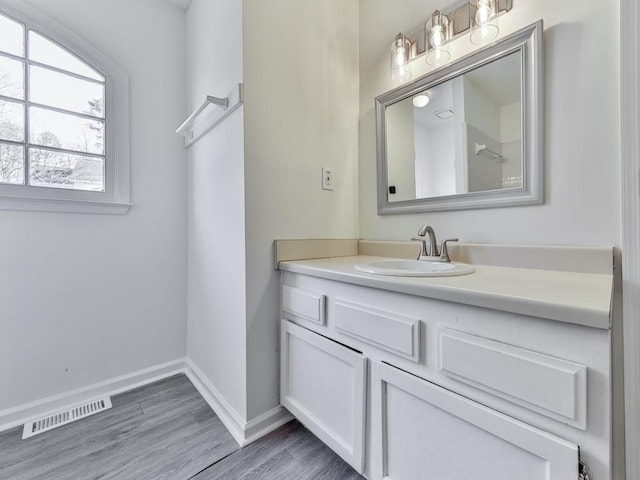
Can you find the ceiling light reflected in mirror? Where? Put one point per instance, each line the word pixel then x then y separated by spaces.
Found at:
pixel 421 100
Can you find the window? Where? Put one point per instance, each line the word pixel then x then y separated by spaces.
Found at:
pixel 60 148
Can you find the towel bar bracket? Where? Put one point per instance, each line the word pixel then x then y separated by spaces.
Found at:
pixel 221 102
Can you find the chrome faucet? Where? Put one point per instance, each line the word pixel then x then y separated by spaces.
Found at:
pixel 432 254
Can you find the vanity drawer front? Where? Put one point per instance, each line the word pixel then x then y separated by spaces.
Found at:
pixel 394 333
pixel 423 431
pixel 548 385
pixel 303 304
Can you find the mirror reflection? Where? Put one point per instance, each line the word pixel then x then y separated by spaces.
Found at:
pixel 460 136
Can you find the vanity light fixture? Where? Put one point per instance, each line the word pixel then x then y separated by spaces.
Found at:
pixel 485 28
pixel 438 35
pixel 421 100
pixel 400 59
pixel 477 17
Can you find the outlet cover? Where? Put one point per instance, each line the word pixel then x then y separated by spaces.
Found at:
pixel 327 178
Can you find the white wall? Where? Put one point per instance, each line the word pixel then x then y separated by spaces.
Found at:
pixel 301 113
pixel 510 133
pixel 582 152
pixel 216 284
pixel 510 122
pixel 84 298
pixel 403 151
pixel 435 172
pixel 481 110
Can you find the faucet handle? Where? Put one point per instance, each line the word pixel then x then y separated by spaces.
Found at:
pixel 444 252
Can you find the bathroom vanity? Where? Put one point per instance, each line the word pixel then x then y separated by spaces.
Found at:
pixel 501 374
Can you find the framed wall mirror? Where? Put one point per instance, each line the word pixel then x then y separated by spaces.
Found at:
pixel 468 135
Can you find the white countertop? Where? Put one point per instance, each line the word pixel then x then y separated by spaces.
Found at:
pixel 579 298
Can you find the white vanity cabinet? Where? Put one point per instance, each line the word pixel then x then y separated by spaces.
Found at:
pixel 408 387
pixel 323 385
pixel 421 430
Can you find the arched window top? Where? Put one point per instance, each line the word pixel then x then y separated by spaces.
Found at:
pixel 58 136
pixel 45 51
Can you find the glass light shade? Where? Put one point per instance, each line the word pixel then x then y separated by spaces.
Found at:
pixel 438 56
pixel 485 22
pixel 437 37
pixel 400 59
pixel 437 29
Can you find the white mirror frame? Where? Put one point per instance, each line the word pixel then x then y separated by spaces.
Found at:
pixel 528 41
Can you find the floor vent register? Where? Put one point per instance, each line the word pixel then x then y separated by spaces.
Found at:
pixel 67 416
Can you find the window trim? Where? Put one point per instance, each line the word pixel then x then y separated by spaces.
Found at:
pixel 116 198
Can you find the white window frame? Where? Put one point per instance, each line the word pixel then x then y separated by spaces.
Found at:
pixel 116 197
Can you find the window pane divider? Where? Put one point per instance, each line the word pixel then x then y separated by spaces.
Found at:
pixel 65 111
pixel 12 56
pixel 12 142
pixel 64 150
pixel 4 98
pixel 63 71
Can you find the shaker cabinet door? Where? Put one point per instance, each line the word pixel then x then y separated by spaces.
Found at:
pixel 323 384
pixel 422 431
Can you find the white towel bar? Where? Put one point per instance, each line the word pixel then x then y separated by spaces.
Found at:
pixel 484 148
pixel 228 105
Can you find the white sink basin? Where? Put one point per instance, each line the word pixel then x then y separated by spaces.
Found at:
pixel 415 268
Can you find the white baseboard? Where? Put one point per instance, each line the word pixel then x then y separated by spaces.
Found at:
pixel 16 416
pixel 225 412
pixel 242 431
pixel 266 423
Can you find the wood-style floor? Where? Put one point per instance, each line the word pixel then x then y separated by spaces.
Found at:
pixel 289 453
pixel 165 431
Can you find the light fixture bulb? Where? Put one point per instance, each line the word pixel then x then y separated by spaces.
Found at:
pixel 400 59
pixel 483 15
pixel 437 36
pixel 421 100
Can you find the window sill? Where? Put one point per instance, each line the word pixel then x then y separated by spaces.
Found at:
pixel 63 206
